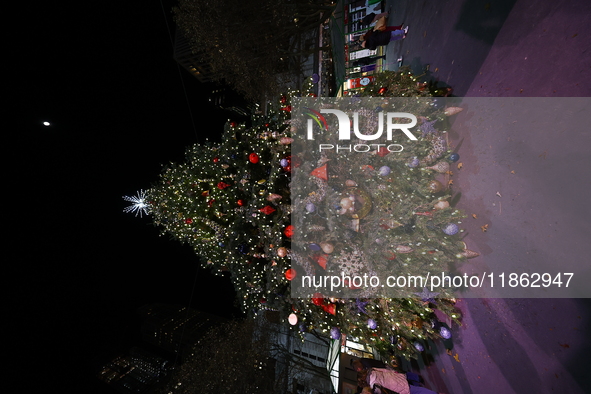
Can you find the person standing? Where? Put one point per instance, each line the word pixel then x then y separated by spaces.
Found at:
pixel 374 378
pixel 373 39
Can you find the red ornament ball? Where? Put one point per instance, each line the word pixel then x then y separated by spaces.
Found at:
pixel 233 124
pixel 240 203
pixel 382 151
pixel 321 260
pixel 330 308
pixel 253 158
pixel 290 274
pixel 267 210
pixel 216 159
pixel 317 299
pixel 288 231
pixel 188 220
pixel 382 90
pixel 295 161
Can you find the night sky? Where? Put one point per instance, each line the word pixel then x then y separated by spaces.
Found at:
pixel 78 267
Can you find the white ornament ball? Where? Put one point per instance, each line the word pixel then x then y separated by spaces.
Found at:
pixel 327 247
pixel 346 203
pixel 441 204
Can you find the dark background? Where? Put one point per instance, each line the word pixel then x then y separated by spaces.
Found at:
pixel 78 267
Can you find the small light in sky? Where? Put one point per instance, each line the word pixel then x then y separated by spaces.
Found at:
pixel 46 124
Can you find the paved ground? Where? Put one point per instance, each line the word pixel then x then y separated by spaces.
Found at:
pixel 498 48
pixel 523 48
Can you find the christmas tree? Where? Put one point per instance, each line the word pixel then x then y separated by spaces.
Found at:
pixel 233 201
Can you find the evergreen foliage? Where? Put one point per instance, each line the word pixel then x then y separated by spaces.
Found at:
pixel 232 202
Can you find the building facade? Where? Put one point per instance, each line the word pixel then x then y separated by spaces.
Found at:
pixel 173 328
pixel 136 372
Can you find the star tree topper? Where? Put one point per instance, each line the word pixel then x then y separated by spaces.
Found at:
pixel 139 204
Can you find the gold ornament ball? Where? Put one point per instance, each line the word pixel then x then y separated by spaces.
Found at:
pixel 435 186
pixel 392 223
pixel 441 167
pixel 362 202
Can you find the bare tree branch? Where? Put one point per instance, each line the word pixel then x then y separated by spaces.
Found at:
pixel 247 43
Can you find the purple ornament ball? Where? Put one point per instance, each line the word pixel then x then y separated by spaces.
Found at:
pixel 419 346
pixel 284 162
pixel 414 162
pixel 314 247
pixel 335 333
pixel 384 170
pixel 371 323
pixel 451 229
pixel 445 333
pixel 310 207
